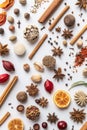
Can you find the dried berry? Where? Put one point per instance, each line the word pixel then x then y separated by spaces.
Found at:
pixel 44 125
pixel 21 96
pixel 62 125
pixel 36 127
pixel 4 78
pixel 8 65
pixel 20 108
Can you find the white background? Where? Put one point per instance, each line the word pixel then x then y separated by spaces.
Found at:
pixel 25 78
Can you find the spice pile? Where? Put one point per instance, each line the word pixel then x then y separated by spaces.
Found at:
pixel 40 76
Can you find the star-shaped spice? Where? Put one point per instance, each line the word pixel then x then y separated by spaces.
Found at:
pixel 57 51
pixel 58 74
pixel 67 33
pixel 52 118
pixel 77 115
pixel 82 4
pixel 3 49
pixel 43 102
pixel 32 89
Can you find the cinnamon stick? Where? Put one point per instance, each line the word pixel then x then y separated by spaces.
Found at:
pixel 78 35
pixel 38 46
pixel 84 127
pixel 49 10
pixel 4 118
pixel 7 90
pixel 58 17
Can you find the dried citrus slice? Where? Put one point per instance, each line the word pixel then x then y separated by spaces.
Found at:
pixel 61 98
pixel 15 124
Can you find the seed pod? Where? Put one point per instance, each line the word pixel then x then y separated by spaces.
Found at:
pixel 38 66
pixel 36 78
pixel 8 65
pixel 4 78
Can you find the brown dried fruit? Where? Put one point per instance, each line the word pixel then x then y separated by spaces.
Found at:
pixel 21 96
pixel 20 108
pixel 26 67
pixel 16 11
pixel 32 113
pixel 26 15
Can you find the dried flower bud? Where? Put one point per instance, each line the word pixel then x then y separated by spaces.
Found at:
pixel 8 65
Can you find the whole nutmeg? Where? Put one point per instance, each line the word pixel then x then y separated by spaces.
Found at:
pixel 26 15
pixel 1 31
pixel 23 2
pixel 21 96
pixel 16 11
pixel 10 19
pixel 69 20
pixel 12 28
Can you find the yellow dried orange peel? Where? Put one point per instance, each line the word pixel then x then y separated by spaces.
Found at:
pixel 4 4
pixel 61 98
pixel 16 124
pixel 7 4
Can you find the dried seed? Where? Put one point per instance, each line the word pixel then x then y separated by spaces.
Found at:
pixel 26 67
pixel 10 19
pixel 38 66
pixel 12 38
pixel 36 78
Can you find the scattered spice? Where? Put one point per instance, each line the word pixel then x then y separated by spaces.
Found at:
pixel 20 108
pixel 12 28
pixel 26 16
pixel 57 51
pixel 23 2
pixel 26 67
pixel 67 33
pixel 52 118
pixel 58 29
pixel 77 115
pixel 32 89
pixel 1 31
pixel 58 74
pixel 43 102
pixel 21 96
pixel 36 126
pixel 16 11
pixel 10 19
pixel 19 23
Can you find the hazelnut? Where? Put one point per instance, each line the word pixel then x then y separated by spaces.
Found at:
pixel 26 15
pixel 12 28
pixel 26 67
pixel 16 11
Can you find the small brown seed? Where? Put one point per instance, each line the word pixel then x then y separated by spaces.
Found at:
pixel 10 19
pixel 26 15
pixel 26 67
pixel 16 11
pixel 12 28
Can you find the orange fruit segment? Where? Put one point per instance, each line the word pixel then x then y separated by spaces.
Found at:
pixel 16 124
pixel 62 98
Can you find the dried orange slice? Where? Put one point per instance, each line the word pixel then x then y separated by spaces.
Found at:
pixel 16 124
pixel 61 98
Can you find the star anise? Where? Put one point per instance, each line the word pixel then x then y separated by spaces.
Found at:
pixel 57 51
pixel 32 89
pixel 42 102
pixel 67 33
pixel 3 49
pixel 82 4
pixel 77 115
pixel 52 118
pixel 58 74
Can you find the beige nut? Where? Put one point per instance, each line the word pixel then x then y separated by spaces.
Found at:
pixel 39 67
pixel 12 38
pixel 85 72
pixel 10 19
pixel 36 78
pixel 64 42
pixel 80 43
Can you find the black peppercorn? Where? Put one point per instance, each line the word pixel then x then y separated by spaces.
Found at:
pixel 1 31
